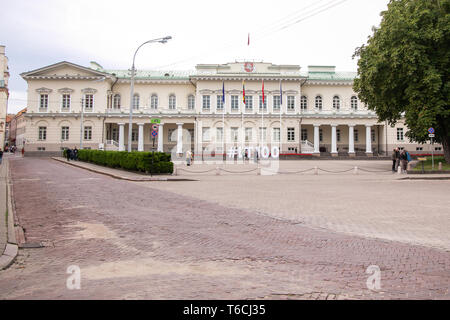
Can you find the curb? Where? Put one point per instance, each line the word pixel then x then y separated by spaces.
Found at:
pixel 12 249
pixel 115 176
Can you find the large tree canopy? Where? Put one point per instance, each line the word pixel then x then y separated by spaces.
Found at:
pixel 404 67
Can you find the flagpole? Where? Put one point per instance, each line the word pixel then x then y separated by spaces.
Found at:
pixel 262 119
pixel 281 108
pixel 223 119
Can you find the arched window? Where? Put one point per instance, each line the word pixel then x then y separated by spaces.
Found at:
pixel 172 102
pixel 116 101
pixel 154 101
pixel 318 102
pixel 303 103
pixel 191 102
pixel 136 101
pixel 336 102
pixel 354 103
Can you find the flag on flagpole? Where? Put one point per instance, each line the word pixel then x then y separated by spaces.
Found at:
pixel 281 94
pixel 264 99
pixel 243 91
pixel 223 92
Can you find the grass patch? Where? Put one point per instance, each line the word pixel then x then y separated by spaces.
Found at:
pixel 428 164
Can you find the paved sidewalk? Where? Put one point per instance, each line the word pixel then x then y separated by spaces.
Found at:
pixel 118 173
pixel 3 206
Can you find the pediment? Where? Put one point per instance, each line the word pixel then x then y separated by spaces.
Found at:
pixel 64 69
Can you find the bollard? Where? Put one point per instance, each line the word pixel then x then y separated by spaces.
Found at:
pixel 316 171
pixel 399 169
pixel 440 166
pixel 356 170
pixel 217 171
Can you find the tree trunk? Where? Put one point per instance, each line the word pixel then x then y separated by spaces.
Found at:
pixel 446 146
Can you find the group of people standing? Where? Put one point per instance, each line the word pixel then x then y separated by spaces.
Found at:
pixel 72 154
pixel 400 158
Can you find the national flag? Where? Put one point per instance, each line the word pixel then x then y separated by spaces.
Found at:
pixel 263 92
pixel 223 92
pixel 281 94
pixel 243 91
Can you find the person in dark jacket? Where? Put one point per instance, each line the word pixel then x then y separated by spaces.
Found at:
pixel 404 160
pixel 394 159
pixel 75 153
pixel 68 154
pixel 1 156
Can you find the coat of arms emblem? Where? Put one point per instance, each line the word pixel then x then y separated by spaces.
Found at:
pixel 248 66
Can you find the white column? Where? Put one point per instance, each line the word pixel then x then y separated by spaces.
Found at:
pixel 180 138
pixel 161 138
pixel 333 139
pixel 351 139
pixel 121 136
pixel 368 139
pixel 316 138
pixel 141 137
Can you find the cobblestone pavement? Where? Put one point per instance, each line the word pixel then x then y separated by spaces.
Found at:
pixel 132 241
pixel 369 204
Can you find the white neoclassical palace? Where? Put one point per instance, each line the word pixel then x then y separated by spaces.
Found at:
pixel 312 112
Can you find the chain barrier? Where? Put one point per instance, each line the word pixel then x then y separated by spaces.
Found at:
pixel 237 172
pixel 343 171
pixel 189 171
pixel 286 172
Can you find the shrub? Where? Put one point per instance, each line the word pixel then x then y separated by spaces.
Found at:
pixel 133 161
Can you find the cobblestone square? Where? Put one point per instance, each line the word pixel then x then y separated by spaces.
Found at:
pixel 230 236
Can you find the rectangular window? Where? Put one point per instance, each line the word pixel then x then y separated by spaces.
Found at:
pixel 206 102
pixel 291 103
pixel 88 133
pixel 419 148
pixel 88 102
pixel 320 135
pixel 276 135
pixel 114 134
pixel 64 133
pixel 355 135
pixel 234 103
pixel 292 150
pixel 248 134
pixel 134 135
pixel 206 134
pixel 170 135
pixel 248 103
pixel 262 134
pixel 234 134
pixel 261 104
pixel 304 134
pixel 276 103
pixel 219 134
pixel 219 103
pixel 42 133
pixel 400 134
pixel 338 135
pixel 291 134
pixel 65 102
pixel 372 135
pixel 43 102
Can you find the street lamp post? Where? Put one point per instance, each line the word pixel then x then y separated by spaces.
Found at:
pixel 133 71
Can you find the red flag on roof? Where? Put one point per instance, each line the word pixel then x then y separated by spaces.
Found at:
pixel 263 92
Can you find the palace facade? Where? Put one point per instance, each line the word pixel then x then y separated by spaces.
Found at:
pixel 312 112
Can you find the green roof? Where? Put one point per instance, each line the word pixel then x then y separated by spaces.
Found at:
pixel 331 76
pixel 152 74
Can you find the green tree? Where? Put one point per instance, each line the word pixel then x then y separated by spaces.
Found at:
pixel 403 70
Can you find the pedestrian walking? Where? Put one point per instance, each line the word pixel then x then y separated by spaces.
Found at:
pixel 394 159
pixel 397 158
pixel 404 160
pixel 1 156
pixel 75 154
pixel 68 154
pixel 23 151
pixel 188 157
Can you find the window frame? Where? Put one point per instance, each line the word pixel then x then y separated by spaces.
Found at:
pixel 318 102
pixel 87 133
pixel 172 102
pixel 291 134
pixel 154 100
pixel 65 133
pixel 42 133
pixel 290 103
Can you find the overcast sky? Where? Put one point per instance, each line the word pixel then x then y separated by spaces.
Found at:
pixel 303 32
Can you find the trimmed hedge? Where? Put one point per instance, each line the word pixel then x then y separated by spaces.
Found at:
pixel 133 161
